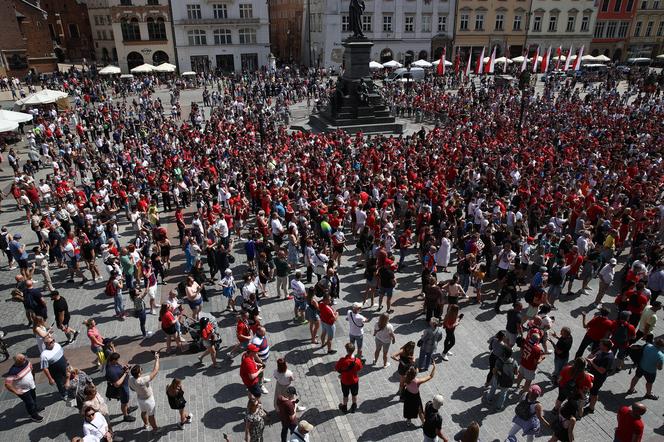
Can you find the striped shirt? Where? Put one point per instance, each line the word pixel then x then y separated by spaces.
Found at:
pixel 50 357
pixel 263 347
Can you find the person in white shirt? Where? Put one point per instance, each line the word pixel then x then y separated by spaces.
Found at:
pixel 606 275
pixel 222 227
pixel 301 433
pixel 360 219
pixel 384 336
pixel 356 323
pixel 21 382
pixel 95 426
pixel 277 228
pixel 299 297
pixel 141 385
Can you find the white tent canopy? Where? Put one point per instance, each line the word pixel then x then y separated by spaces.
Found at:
pixel 8 126
pixel 437 62
pixel 421 64
pixel 518 59
pixel 504 60
pixel 45 96
pixel 588 58
pixel 189 74
pixel 392 64
pixel 109 70
pixel 602 58
pixel 142 69
pixel 165 67
pixel 660 56
pixel 562 58
pixel 18 117
pixel 375 65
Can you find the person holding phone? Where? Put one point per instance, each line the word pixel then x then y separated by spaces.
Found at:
pixel 450 323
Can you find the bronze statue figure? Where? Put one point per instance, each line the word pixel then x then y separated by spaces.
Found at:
pixel 355 10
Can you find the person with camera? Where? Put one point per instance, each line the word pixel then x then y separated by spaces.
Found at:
pixel 287 409
pixel 95 426
pixel 140 383
pixel 117 378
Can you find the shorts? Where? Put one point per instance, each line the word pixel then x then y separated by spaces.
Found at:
pixel 527 374
pixel 597 384
pixel 328 329
pixel 228 292
pixel 22 263
pixel 170 330
pixel 152 291
pixel 196 303
pixel 511 338
pixel 124 395
pixel 255 390
pixel 570 277
pixel 300 305
pixel 311 315
pixel 388 292
pixel 147 405
pixel 502 273
pixel 380 345
pixel 357 341
pixel 650 377
pixel 350 389
pixel 338 249
pixel 206 343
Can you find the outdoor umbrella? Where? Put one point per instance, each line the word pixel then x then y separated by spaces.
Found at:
pixel 109 70
pixel 19 117
pixel 165 67
pixel 143 69
pixel 8 126
pixel 375 65
pixel 421 64
pixel 392 64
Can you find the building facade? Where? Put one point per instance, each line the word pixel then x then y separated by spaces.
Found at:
pixel 286 19
pixel 142 32
pixel 101 25
pixel 647 30
pixel 26 43
pixel 611 30
pixel 221 35
pixel 69 28
pixel 562 23
pixel 491 23
pixel 402 30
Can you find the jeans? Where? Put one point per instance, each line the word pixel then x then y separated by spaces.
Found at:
pixel 357 341
pixel 424 360
pixel 558 364
pixel 450 340
pixel 118 303
pixel 130 281
pixel 464 280
pixel 502 393
pixel 515 429
pixel 142 316
pixel 285 428
pixel 282 285
pixel 402 257
pixel 29 398
pixel 584 344
pixel 58 371
pixel 554 293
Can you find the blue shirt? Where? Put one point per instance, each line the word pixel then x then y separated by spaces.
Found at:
pixel 651 358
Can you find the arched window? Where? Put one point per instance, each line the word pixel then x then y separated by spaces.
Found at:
pixel 197 37
pixel 386 55
pixel 156 29
pixel 130 29
pixel 222 37
pixel 134 59
pixel 159 57
pixel 422 55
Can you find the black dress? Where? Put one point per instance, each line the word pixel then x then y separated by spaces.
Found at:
pixel 412 403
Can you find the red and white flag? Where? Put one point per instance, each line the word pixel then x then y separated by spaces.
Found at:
pixel 480 63
pixel 467 71
pixel 457 63
pixel 524 63
pixel 535 58
pixel 490 66
pixel 568 60
pixel 558 53
pixel 577 62
pixel 441 65
pixel 546 60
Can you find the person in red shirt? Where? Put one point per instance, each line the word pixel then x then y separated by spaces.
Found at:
pixel 574 379
pixel 328 317
pixel 630 425
pixel 597 329
pixel 251 368
pixel 531 356
pixel 622 334
pixel 574 260
pixel 242 331
pixel 348 367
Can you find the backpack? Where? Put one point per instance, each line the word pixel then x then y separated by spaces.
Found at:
pixel 111 290
pixel 522 409
pixel 555 276
pixel 621 335
pixel 506 374
pixel 636 353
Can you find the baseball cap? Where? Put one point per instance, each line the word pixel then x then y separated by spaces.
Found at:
pixel 613 261
pixel 18 236
pixel 252 347
pixel 535 389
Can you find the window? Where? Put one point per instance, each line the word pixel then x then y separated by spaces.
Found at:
pixel 553 23
pixel 409 23
pixel 605 5
pixel 637 29
pixel 220 10
pixel 644 4
pixel 156 29
pixel 96 19
pixel 108 20
pixel 537 23
pixel 73 31
pixel 222 37
pixel 153 2
pixel 442 23
pixel 366 23
pixel 426 23
pixel 103 34
pixel 500 19
pixel 649 28
pixel 655 4
pixel 345 24
pixel 99 36
pixel 599 29
pixel 517 23
pixel 630 5
pixel 571 22
pixel 622 30
pixel 197 37
pixel 193 12
pixel 130 29
pixel 125 2
pixel 387 23
pixel 479 22
pixel 246 10
pixel 463 22
pixel 247 36
pixel 616 7
pixel 660 29
pixel 611 29
pixel 585 23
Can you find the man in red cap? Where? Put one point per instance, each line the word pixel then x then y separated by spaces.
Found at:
pixel 251 368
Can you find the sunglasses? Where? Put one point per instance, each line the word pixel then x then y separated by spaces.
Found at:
pixel 89 415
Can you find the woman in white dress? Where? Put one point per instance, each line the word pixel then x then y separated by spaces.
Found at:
pixel 444 251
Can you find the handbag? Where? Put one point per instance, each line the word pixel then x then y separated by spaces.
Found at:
pixel 419 343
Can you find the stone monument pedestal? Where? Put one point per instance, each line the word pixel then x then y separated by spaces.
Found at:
pixel 356 105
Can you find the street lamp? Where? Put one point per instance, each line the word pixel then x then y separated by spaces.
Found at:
pixel 524 86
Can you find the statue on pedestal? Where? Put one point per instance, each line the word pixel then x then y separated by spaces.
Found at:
pixel 355 10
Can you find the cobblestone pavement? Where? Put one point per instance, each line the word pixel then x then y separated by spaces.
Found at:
pixel 217 398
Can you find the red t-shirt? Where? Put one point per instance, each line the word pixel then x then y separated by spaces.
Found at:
pixel 247 368
pixel 584 381
pixel 628 425
pixel 637 303
pixel 348 366
pixel 167 320
pixel 598 327
pixel 530 355
pixel 242 329
pixel 326 313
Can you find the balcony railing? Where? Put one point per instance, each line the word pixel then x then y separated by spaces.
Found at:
pixel 218 21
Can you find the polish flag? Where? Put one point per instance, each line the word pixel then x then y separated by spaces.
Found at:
pixel 480 63
pixel 577 62
pixel 569 58
pixel 490 66
pixel 467 71
pixel 558 53
pixel 535 57
pixel 546 60
pixel 441 65
pixel 524 63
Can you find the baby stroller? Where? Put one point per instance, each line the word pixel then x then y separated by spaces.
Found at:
pixel 194 328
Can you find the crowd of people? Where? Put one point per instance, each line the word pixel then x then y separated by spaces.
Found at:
pixel 486 208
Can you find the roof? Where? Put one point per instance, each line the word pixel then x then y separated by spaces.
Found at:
pixel 34 4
